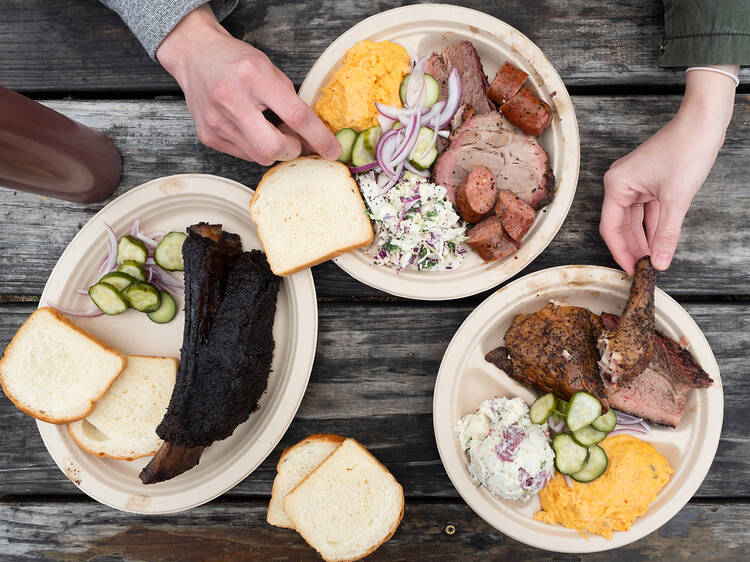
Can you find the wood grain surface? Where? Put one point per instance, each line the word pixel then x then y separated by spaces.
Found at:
pixel 70 46
pixel 236 530
pixel 157 138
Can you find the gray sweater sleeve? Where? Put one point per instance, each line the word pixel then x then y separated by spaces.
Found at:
pixel 152 20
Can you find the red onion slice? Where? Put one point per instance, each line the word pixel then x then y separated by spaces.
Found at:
pixel 454 98
pixel 386 124
pixel 365 168
pixel 410 139
pixel 112 258
pixel 413 170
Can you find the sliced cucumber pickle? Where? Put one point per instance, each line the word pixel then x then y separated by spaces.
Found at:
pixel 166 311
pixel 606 422
pixel 130 248
pixel 372 136
pixel 583 409
pixel 360 155
pixel 346 138
pixel 142 296
pixel 117 279
pixel 430 94
pixel 588 436
pixel 425 151
pixel 168 254
pixel 570 457
pixel 595 466
pixel 108 299
pixel 542 408
pixel 132 268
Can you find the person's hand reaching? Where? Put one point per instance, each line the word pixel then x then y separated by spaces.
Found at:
pixel 228 84
pixel 648 192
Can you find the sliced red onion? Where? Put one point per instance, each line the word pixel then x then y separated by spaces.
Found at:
pixel 82 292
pixel 435 111
pixel 91 313
pixel 103 262
pixel 410 139
pixel 382 180
pixel 154 235
pixel 158 276
pixel 134 228
pixel 386 124
pixel 636 429
pixel 421 64
pixel 365 168
pixel 556 424
pixel 413 170
pixel 394 113
pixel 383 152
pixel 444 134
pixel 568 480
pixel 112 258
pixel 414 96
pixel 454 98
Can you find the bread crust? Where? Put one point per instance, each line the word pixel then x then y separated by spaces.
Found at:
pixel 314 437
pixel 330 255
pixel 92 401
pixel 119 458
pixel 395 525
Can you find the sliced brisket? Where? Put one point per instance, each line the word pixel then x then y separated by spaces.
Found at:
pixel 463 57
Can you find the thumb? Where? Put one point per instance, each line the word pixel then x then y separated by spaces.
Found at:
pixel 667 234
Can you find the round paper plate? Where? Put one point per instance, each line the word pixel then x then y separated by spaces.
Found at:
pixel 465 379
pixel 422 29
pixel 173 203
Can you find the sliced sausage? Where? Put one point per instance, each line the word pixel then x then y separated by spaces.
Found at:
pixel 527 112
pixel 490 240
pixel 506 84
pixel 516 215
pixel 476 194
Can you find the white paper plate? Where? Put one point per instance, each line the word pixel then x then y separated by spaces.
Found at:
pixel 173 203
pixel 422 29
pixel 465 379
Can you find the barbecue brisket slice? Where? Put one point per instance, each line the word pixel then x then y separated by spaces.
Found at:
pixel 659 392
pixel 230 304
pixel 463 57
pixel 517 160
pixel 628 348
pixel 553 350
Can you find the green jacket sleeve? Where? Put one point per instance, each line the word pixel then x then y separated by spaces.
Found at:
pixel 706 32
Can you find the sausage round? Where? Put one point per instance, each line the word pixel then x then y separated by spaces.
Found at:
pixel 528 112
pixel 506 84
pixel 490 240
pixel 516 215
pixel 476 195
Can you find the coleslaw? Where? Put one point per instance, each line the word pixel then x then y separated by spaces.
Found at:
pixel 415 224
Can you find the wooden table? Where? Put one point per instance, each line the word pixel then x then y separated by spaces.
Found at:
pixel 377 355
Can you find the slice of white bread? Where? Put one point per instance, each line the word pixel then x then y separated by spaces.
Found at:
pixel 123 423
pixel 348 506
pixel 54 370
pixel 308 210
pixel 295 463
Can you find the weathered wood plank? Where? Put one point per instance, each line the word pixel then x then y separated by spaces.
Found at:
pixel 83 47
pixel 157 138
pixel 238 531
pixel 373 379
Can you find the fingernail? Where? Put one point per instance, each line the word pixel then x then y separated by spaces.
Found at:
pixel 661 260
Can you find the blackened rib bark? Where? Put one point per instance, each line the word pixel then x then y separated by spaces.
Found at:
pixel 232 363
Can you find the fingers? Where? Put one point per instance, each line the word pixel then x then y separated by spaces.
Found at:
pixel 667 234
pixel 301 118
pixel 639 246
pixel 615 229
pixel 264 142
pixel 651 216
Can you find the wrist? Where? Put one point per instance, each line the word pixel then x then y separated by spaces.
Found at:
pixel 709 98
pixel 192 33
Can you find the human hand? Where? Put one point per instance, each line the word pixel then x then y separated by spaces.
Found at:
pixel 656 183
pixel 228 84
